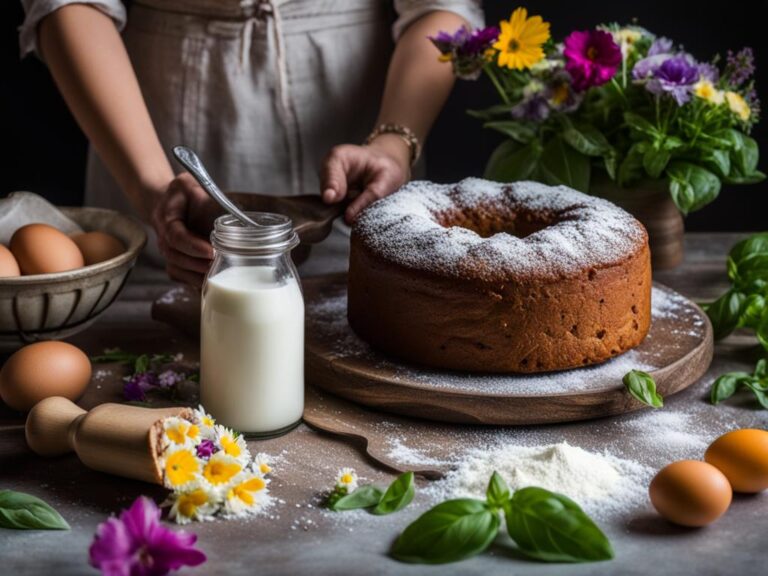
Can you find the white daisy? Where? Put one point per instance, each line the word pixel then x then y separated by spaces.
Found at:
pixel 232 444
pixel 178 432
pixel 205 421
pixel 262 463
pixel 195 502
pixel 247 493
pixel 347 478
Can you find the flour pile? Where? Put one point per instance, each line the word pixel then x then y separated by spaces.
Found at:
pixel 601 484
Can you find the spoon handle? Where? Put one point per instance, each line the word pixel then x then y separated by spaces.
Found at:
pixel 191 162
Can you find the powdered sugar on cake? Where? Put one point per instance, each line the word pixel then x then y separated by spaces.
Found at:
pixel 587 231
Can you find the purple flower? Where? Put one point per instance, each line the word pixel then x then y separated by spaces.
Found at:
pixel 592 58
pixel 660 46
pixel 206 449
pixel 137 386
pixel 137 544
pixel 466 49
pixel 676 77
pixel 534 108
pixel 709 72
pixel 739 67
pixel 169 378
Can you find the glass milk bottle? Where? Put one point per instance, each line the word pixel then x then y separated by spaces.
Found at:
pixel 252 327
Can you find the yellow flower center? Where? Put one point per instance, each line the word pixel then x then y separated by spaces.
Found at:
pixel 193 431
pixel 265 468
pixel 230 446
pixel 208 421
pixel 181 467
pixel 513 45
pixel 591 52
pixel 246 490
pixel 347 479
pixel 560 93
pixel 176 434
pixel 190 502
pixel 218 472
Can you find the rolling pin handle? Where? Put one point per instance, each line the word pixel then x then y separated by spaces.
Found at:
pixel 51 426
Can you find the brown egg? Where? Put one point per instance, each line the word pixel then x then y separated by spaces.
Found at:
pixel 97 246
pixel 42 249
pixel 742 455
pixel 44 369
pixel 690 493
pixel 8 265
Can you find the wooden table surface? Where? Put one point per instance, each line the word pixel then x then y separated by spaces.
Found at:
pixel 300 537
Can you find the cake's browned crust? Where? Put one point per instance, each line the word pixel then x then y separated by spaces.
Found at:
pixel 520 324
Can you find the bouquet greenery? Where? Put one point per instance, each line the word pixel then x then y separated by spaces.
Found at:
pixel 615 99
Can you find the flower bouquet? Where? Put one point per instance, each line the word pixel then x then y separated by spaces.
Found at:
pixel 612 110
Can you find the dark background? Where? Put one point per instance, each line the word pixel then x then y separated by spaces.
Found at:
pixel 47 150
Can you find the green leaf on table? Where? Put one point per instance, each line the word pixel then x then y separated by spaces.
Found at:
pixel 114 355
pixel 761 369
pixel 655 161
pixel 20 511
pixel 560 164
pixel 512 161
pixel 498 493
pixel 522 133
pixel 692 187
pixel 724 313
pixel 452 531
pixel 141 364
pixel 551 527
pixel 399 494
pixel 759 390
pixel 363 497
pixel 642 387
pixel 726 385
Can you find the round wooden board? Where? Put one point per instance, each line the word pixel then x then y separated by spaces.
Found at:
pixel 677 352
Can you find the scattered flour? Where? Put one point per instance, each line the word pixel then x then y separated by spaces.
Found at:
pixel 404 454
pixel 603 485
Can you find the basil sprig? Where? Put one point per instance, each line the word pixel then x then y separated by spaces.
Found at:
pixel 745 303
pixel 757 383
pixel 20 511
pixel 642 387
pixel 545 526
pixel 397 496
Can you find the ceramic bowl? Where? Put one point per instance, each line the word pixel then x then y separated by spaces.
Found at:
pixel 55 306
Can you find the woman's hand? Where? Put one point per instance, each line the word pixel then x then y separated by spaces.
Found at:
pixel 365 173
pixel 182 218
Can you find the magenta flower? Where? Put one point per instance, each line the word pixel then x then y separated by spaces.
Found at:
pixel 137 544
pixel 206 449
pixel 591 58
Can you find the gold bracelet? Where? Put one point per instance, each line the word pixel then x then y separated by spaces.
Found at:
pixel 399 130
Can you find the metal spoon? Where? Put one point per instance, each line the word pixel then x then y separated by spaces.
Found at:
pixel 191 162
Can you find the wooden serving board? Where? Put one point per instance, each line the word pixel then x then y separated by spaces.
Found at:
pixel 676 352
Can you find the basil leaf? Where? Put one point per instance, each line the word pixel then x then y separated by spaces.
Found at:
pixel 654 161
pixel 141 364
pixel 747 156
pixel 562 165
pixel 724 313
pixel 115 355
pixel 752 178
pixel 512 161
pixel 497 493
pixel 762 332
pixel 751 268
pixel 398 495
pixel 551 527
pixel 642 386
pixel 631 167
pixel 759 391
pixel 761 369
pixel 755 244
pixel 363 497
pixel 20 511
pixel 611 161
pixel 519 132
pixel 753 310
pixel 719 161
pixel 692 187
pixel 452 531
pixel 726 385
pixel 585 138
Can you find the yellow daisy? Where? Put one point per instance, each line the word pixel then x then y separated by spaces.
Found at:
pixel 247 493
pixel 231 444
pixel 705 90
pixel 521 39
pixel 221 468
pixel 180 467
pixel 738 105
pixel 262 463
pixel 180 432
pixel 195 503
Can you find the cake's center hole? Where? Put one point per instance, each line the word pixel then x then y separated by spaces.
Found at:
pixel 486 224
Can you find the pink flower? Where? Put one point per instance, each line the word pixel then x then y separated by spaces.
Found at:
pixel 137 544
pixel 591 58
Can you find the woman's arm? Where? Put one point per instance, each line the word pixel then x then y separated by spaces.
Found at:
pixel 90 65
pixel 417 87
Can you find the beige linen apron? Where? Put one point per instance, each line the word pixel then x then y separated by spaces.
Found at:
pixel 261 91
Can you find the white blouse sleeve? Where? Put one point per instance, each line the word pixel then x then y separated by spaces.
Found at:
pixel 36 10
pixel 408 11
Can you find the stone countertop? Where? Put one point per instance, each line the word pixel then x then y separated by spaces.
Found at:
pixel 299 537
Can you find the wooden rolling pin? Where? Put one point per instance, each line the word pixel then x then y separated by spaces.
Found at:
pixel 114 438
